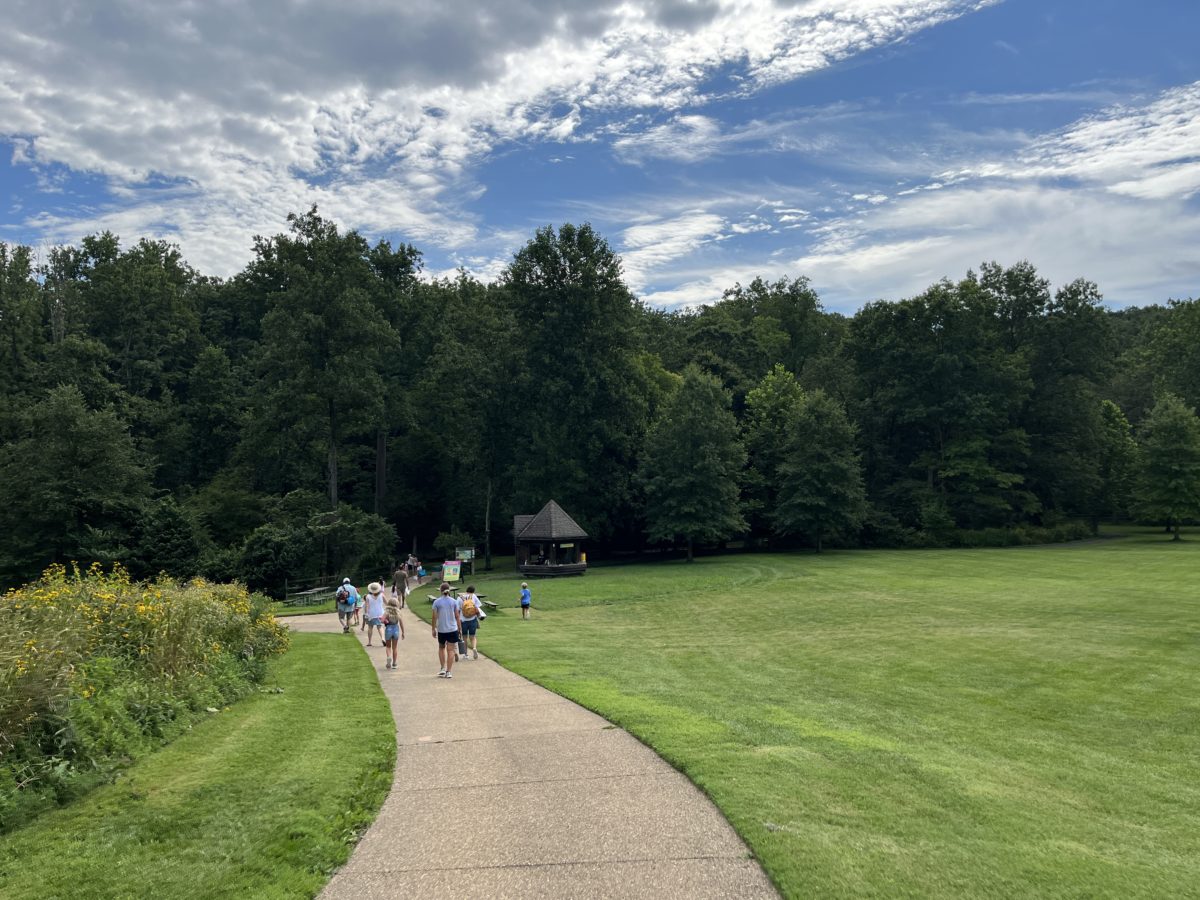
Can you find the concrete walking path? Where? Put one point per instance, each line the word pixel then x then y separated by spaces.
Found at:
pixel 505 789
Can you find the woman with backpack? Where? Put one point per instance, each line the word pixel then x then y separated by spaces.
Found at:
pixel 470 620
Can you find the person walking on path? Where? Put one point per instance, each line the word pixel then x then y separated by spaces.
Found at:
pixel 447 628
pixel 400 582
pixel 347 602
pixel 373 618
pixel 470 621
pixel 393 630
pixel 526 600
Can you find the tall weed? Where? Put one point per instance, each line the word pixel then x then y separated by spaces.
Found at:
pixel 96 668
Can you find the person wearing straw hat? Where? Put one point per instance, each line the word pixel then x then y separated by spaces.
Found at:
pixel 374 610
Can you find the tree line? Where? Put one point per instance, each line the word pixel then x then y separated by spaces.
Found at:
pixel 328 406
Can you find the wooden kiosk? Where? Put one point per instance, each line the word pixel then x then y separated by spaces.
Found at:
pixel 549 543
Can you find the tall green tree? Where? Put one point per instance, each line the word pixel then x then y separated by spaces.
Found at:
pixel 1069 353
pixel 1118 460
pixel 1175 351
pixel 821 484
pixel 582 402
pixel 771 410
pixel 469 427
pixel 940 409
pixel 327 334
pixel 691 465
pixel 1169 482
pixel 20 333
pixel 72 486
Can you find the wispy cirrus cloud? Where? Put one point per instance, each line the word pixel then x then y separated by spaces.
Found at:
pixel 1110 197
pixel 382 114
pixel 1087 200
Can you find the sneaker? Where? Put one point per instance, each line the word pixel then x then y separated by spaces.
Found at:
pixel 442 674
pixel 476 654
pixel 448 675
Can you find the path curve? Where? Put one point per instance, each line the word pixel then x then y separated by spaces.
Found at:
pixel 505 789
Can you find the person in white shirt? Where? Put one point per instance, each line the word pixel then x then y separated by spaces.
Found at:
pixel 374 610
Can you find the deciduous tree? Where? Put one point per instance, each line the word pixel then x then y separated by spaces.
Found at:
pixel 1169 483
pixel 821 484
pixel 691 465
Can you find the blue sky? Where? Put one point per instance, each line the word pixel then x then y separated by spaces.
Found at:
pixel 873 146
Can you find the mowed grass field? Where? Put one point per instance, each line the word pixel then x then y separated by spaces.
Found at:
pixel 1008 722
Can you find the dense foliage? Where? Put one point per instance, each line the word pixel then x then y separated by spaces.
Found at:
pixel 327 407
pixel 94 667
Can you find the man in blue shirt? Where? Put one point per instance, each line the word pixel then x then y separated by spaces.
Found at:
pixel 446 624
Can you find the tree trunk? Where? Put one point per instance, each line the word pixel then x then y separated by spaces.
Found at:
pixel 689 550
pixel 487 529
pixel 333 458
pixel 1176 531
pixel 380 470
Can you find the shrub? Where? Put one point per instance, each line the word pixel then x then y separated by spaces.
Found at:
pixel 448 541
pixel 95 667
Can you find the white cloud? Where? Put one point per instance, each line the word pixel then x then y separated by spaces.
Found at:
pixel 1111 198
pixel 1151 152
pixel 1106 199
pixel 652 245
pixel 381 113
pixel 1066 233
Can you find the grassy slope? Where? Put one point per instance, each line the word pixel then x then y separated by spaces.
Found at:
pixel 261 800
pixel 941 723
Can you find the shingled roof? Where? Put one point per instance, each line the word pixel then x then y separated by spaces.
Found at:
pixel 551 524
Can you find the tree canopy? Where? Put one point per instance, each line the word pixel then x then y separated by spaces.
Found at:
pixel 328 406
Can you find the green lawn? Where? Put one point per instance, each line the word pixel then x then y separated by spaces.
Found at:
pixel 1007 722
pixel 283 610
pixel 261 800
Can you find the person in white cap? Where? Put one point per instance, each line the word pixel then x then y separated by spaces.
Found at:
pixel 526 600
pixel 347 601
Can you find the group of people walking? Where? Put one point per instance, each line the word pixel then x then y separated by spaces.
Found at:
pixel 454 623
pixel 375 613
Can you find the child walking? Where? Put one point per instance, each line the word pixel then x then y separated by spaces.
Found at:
pixel 393 630
pixel 526 600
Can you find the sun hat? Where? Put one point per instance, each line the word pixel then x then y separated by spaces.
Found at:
pixel 345 581
pixel 524 584
pixel 374 587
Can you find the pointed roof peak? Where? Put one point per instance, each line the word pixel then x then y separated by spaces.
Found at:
pixel 551 524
